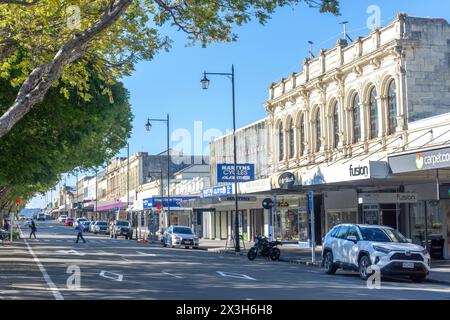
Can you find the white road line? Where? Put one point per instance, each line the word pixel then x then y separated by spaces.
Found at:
pixel 51 285
pixel 146 254
pixel 170 274
pixel 115 277
pixel 235 275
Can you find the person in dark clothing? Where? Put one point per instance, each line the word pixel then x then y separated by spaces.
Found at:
pixel 33 229
pixel 6 225
pixel 80 232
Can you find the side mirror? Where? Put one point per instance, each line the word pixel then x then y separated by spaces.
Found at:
pixel 352 238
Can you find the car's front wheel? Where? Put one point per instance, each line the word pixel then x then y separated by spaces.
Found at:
pixel 364 264
pixel 328 263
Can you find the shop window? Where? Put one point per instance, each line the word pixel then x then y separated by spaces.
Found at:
pixel 339 217
pixel 291 141
pixel 290 225
pixel 426 222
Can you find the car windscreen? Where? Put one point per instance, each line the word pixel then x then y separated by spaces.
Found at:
pixel 182 230
pixel 382 235
pixel 101 224
pixel 123 223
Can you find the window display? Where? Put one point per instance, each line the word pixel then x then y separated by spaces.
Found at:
pixel 290 225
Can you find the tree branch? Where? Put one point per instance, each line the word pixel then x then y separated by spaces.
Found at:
pixel 33 90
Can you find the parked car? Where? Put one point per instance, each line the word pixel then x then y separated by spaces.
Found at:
pixel 357 247
pixel 62 218
pixel 27 222
pixel 41 216
pixel 69 222
pixel 100 227
pixel 121 228
pixel 180 236
pixel 79 220
pixel 85 225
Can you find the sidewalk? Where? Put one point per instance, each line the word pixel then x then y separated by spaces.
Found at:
pixel 291 253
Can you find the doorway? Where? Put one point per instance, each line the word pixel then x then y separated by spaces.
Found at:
pixel 389 215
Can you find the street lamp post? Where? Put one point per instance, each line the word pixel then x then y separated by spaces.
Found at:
pixel 205 85
pixel 148 127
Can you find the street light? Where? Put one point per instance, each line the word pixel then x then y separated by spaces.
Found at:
pixel 205 85
pixel 148 127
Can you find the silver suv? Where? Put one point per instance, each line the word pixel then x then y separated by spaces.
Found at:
pixel 358 247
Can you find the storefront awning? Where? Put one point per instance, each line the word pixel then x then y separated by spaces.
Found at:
pixel 112 206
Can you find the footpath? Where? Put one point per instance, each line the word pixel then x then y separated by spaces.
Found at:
pixel 440 269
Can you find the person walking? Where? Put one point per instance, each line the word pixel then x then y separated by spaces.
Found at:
pixel 33 229
pixel 6 224
pixel 80 232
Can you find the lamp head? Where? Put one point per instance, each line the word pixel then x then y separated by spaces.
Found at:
pixel 205 82
pixel 148 125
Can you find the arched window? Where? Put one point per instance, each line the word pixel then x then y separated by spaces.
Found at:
pixel 392 106
pixel 291 140
pixel 356 115
pixel 335 125
pixel 318 131
pixel 373 114
pixel 280 143
pixel 302 135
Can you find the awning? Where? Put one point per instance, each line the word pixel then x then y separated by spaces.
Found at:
pixel 112 206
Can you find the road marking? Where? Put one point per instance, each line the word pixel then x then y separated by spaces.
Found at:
pixel 115 276
pixel 147 254
pixel 125 259
pixel 235 275
pixel 71 252
pixel 171 274
pixel 51 285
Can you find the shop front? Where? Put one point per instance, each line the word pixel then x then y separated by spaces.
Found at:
pixel 430 214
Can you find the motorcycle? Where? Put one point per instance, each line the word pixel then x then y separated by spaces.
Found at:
pixel 4 234
pixel 265 248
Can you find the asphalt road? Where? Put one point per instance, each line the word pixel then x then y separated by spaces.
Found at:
pixel 124 269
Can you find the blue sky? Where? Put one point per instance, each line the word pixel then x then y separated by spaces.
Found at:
pixel 262 55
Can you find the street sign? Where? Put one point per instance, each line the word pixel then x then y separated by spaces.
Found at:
pixel 267 203
pixel 244 172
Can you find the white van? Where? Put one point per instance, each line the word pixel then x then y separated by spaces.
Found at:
pixel 41 216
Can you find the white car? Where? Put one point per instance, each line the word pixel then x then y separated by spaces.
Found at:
pixel 357 247
pixel 62 218
pixel 180 236
pixel 77 221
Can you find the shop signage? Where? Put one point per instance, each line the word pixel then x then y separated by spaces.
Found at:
pixel 218 191
pixel 255 186
pixel 267 203
pixel 245 172
pixel 286 181
pixel 240 198
pixel 376 198
pixel 346 172
pixel 422 160
pixel 158 202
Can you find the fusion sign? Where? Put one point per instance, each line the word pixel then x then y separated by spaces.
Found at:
pixel 424 160
pixel 244 172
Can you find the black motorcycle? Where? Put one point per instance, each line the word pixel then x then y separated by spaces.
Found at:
pixel 264 248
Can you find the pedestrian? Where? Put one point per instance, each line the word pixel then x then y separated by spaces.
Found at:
pixel 33 229
pixel 6 224
pixel 80 232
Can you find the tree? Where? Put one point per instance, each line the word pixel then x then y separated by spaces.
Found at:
pixel 63 38
pixel 60 135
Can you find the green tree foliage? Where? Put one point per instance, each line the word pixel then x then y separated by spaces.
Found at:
pixel 62 134
pixel 64 38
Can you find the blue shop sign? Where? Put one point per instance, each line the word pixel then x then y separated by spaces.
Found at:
pixel 218 191
pixel 245 172
pixel 151 203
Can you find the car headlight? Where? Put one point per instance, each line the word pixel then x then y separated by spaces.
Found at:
pixel 381 249
pixel 424 252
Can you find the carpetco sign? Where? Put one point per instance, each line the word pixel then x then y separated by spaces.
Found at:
pixel 422 160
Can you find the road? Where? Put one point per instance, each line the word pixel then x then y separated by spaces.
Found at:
pixel 124 269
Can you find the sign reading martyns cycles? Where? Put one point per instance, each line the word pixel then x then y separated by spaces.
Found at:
pixel 421 160
pixel 244 172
